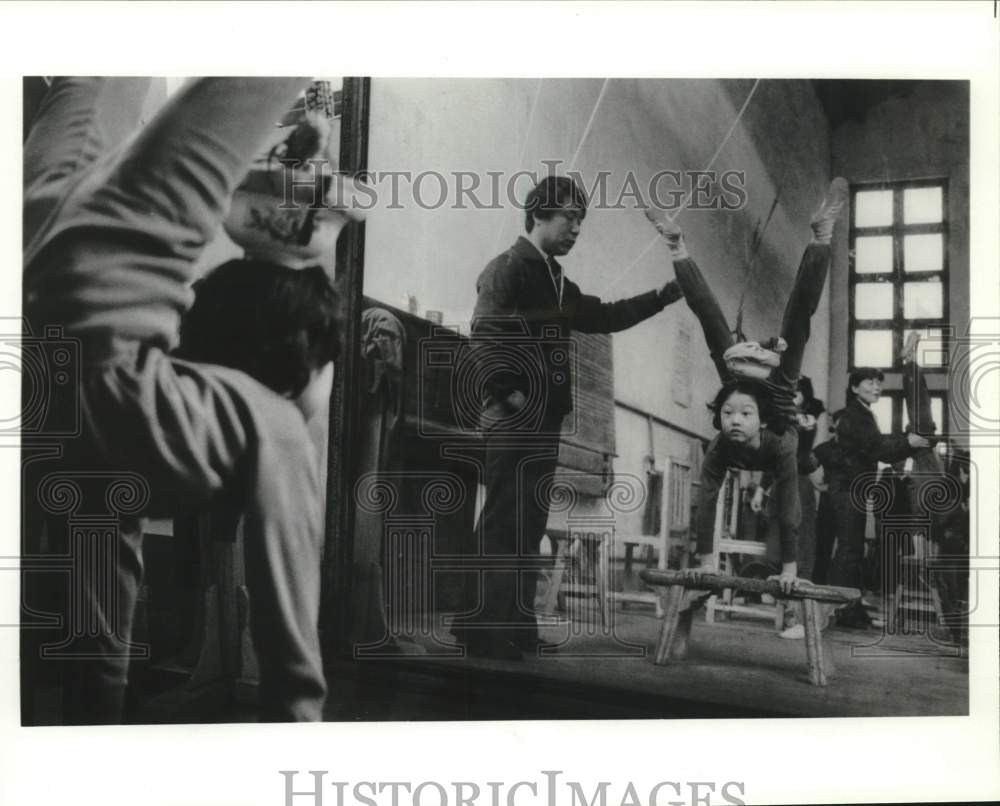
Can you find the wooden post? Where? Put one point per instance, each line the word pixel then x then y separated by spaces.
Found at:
pixel 556 577
pixel 338 563
pixel 814 644
pixel 602 583
pixel 683 635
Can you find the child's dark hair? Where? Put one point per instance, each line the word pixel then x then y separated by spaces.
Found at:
pixel 859 375
pixel 274 323
pixel 810 403
pixel 553 193
pixel 743 386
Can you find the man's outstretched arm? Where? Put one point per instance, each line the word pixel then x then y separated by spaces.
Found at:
pixel 591 315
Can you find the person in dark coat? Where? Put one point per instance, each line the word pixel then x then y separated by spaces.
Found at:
pixel 526 313
pixel 863 446
pixel 828 457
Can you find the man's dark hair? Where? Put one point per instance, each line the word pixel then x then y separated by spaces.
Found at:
pixel 859 375
pixel 552 194
pixel 743 386
pixel 274 323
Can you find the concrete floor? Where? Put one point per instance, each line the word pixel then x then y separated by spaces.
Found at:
pixel 736 667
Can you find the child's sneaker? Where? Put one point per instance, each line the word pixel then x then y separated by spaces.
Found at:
pixel 795 633
pixel 671 233
pixel 826 216
pixel 909 353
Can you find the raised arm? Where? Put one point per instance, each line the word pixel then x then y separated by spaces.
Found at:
pixel 860 436
pixel 589 314
pixel 713 473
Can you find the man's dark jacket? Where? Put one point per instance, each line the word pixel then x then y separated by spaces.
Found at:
pixel 520 333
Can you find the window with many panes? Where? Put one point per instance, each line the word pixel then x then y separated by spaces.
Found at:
pixel 898 272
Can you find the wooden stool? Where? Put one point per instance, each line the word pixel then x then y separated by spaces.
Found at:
pixel 575 549
pixel 687 590
pixel 915 592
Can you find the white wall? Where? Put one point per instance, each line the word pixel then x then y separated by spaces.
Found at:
pixel 641 126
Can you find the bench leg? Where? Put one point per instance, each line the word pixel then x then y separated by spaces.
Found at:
pixel 893 609
pixel 710 609
pixel 629 548
pixel 779 614
pixel 683 635
pixel 814 644
pixel 556 579
pixel 671 617
pixel 602 585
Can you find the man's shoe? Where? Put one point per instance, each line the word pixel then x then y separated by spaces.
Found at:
pixel 854 619
pixel 492 647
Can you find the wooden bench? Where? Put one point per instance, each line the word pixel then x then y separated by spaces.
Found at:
pixel 679 608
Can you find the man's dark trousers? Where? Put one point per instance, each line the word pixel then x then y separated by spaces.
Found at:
pixel 518 470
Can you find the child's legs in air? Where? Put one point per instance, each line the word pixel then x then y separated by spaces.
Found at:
pixel 801 306
pixel 705 306
pixel 810 280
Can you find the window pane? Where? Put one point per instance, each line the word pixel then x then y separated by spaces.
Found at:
pixel 932 351
pixel 873 301
pixel 873 348
pixel 923 301
pixel 882 409
pixel 923 252
pixel 873 254
pixel 873 208
pixel 922 206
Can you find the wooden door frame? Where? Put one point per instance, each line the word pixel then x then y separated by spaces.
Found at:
pixel 335 615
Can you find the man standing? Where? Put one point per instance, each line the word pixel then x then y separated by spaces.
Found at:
pixel 525 312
